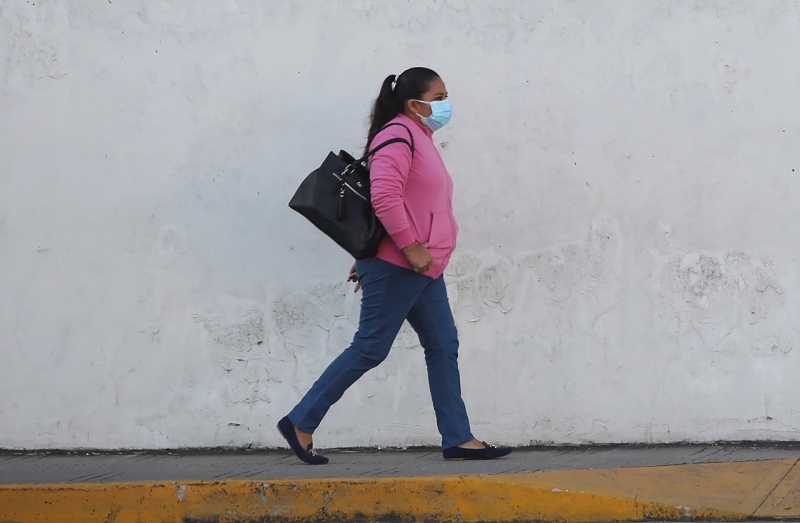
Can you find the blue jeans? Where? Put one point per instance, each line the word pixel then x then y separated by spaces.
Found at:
pixel 392 294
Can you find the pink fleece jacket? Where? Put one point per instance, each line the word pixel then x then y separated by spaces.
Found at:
pixel 413 196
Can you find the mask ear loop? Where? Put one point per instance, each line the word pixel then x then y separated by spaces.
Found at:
pixel 420 116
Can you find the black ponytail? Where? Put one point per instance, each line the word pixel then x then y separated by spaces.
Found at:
pixel 412 84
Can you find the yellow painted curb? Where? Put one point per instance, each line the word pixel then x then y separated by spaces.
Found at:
pixel 568 496
pixel 733 488
pixel 784 501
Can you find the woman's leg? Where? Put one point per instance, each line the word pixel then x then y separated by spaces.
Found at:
pixel 388 293
pixel 432 318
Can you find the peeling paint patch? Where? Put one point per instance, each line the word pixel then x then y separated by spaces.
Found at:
pixel 239 349
pixel 725 299
pixel 38 49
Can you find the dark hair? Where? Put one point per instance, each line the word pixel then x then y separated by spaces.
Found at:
pixel 391 101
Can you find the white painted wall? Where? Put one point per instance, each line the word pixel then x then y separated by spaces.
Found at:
pixel 626 184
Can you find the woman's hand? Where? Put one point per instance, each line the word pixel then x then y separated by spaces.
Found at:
pixel 419 257
pixel 354 277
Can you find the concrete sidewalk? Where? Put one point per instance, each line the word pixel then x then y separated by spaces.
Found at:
pixel 710 482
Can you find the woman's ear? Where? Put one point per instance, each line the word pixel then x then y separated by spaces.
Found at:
pixel 415 107
pixel 418 108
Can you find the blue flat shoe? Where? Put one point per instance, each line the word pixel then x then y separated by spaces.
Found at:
pixel 487 452
pixel 309 455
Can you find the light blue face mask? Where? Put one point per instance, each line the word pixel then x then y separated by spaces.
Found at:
pixel 441 111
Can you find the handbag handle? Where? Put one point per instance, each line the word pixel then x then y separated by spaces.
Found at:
pixel 340 207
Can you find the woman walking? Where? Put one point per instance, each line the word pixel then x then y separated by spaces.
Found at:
pixel 412 196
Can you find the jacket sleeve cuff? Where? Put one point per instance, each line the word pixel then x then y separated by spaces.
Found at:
pixel 403 238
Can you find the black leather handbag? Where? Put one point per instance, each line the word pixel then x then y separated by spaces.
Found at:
pixel 336 199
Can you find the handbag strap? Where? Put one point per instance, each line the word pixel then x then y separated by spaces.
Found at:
pixel 410 136
pixel 390 142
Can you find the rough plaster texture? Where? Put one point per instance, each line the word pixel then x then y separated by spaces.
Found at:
pixel 626 187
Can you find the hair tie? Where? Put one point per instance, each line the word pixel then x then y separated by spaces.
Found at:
pixel 394 82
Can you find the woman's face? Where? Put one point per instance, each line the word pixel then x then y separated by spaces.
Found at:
pixel 437 91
